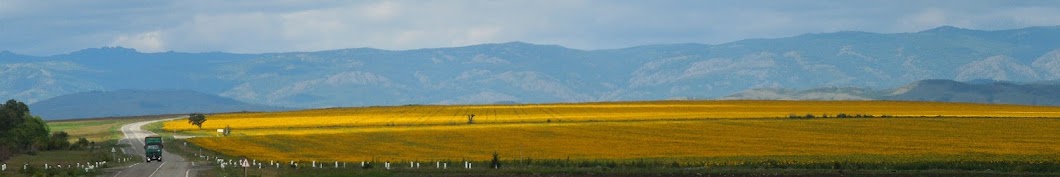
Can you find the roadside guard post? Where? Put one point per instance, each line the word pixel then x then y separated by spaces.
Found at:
pixel 245 164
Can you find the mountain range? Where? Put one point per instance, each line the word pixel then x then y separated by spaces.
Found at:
pixel 533 73
pixel 977 91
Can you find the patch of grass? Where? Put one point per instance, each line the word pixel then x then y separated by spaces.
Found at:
pixel 66 158
pixel 98 130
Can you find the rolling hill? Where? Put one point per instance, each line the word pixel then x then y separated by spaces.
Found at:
pixel 979 91
pixel 138 102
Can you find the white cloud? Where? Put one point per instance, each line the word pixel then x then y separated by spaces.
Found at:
pixel 281 25
pixel 384 10
pixel 144 42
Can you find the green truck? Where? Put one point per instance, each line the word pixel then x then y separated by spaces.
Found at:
pixel 153 148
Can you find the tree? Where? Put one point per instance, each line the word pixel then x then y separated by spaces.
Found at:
pixel 196 119
pixel 11 115
pixel 20 131
pixel 227 130
pixel 59 140
pixel 81 143
pixel 496 162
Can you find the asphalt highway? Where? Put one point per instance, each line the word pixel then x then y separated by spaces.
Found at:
pixel 171 165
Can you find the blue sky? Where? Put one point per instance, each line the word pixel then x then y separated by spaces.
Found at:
pixel 46 27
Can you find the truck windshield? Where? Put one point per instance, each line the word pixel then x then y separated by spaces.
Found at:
pixel 152 146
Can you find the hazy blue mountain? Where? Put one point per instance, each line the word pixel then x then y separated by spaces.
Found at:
pixel 978 91
pixel 996 92
pixel 531 73
pixel 138 102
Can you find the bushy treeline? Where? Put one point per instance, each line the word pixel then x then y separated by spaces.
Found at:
pixel 21 132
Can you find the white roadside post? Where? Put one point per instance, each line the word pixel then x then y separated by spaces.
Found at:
pixel 245 163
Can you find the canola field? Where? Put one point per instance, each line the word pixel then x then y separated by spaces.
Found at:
pixel 600 112
pixel 643 130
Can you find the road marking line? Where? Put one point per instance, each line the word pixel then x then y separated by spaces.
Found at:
pixel 156 169
pixel 187 172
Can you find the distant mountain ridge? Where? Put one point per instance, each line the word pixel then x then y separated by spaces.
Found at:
pixel 138 102
pixel 531 73
pixel 979 91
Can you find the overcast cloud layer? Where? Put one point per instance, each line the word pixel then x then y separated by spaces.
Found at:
pixel 41 27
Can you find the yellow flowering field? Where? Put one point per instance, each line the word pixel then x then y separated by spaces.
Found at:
pixel 911 138
pixel 596 112
pixel 642 130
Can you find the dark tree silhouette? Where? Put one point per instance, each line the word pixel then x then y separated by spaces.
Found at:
pixel 196 119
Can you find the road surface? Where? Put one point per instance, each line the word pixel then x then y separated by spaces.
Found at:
pixel 171 165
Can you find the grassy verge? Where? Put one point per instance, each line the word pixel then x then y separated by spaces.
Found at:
pixel 99 129
pixel 723 166
pixel 104 132
pixel 73 162
pixel 588 168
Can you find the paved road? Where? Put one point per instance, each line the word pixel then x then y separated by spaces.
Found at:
pixel 172 165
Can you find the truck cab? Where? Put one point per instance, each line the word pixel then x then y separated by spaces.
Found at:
pixel 153 148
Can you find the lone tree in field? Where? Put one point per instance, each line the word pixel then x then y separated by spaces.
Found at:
pixel 496 162
pixel 196 119
pixel 471 119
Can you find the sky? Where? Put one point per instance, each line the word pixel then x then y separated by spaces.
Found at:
pixel 50 27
